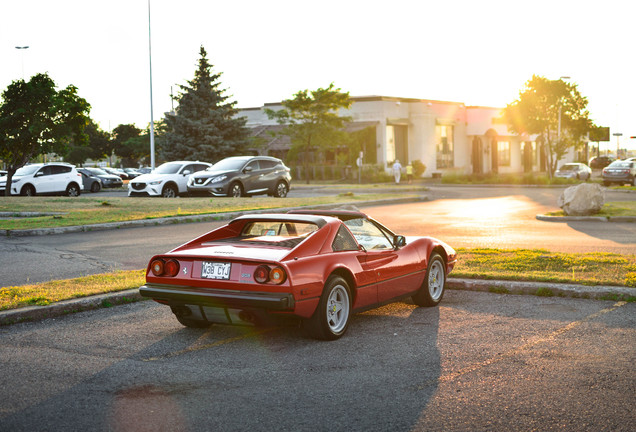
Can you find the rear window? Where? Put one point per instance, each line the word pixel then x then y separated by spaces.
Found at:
pixel 283 234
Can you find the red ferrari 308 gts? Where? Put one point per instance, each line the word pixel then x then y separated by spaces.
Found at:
pixel 318 266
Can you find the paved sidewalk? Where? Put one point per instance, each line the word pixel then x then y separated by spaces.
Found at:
pixel 35 313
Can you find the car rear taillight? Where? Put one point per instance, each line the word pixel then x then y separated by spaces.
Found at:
pixel 261 274
pixel 171 268
pixel 157 267
pixel 277 275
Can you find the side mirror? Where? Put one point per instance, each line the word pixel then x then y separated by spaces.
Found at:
pixel 186 172
pixel 248 169
pixel 39 174
pixel 399 241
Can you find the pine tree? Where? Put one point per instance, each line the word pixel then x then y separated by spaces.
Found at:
pixel 204 126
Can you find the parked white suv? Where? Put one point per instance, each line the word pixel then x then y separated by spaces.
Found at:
pixel 168 180
pixel 55 178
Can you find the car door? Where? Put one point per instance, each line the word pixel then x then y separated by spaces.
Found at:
pixel 43 180
pixel 268 177
pixel 397 271
pixel 182 177
pixel 251 177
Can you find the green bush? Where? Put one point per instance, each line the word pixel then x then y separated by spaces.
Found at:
pixel 418 168
pixel 515 179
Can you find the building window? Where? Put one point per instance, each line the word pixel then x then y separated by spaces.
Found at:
pixel 503 153
pixel 390 144
pixel 445 146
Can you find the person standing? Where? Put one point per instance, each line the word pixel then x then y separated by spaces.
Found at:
pixel 409 172
pixel 397 170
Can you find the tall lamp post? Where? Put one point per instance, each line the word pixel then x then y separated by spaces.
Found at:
pixel 152 118
pixel 618 146
pixel 22 48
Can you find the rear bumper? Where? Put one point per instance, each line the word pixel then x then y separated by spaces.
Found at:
pixel 177 294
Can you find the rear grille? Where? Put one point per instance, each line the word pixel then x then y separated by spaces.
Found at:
pixel 139 186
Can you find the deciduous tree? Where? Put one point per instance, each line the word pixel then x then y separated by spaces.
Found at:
pixel 311 119
pixel 36 119
pixel 543 107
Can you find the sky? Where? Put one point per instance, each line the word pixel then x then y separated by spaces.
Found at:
pixel 475 52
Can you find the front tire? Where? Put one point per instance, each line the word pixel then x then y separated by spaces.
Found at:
pixel 27 190
pixel 96 187
pixel 236 190
pixel 169 192
pixel 432 289
pixel 281 190
pixel 331 318
pixel 72 190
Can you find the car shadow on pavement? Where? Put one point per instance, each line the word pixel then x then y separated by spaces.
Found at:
pixel 379 376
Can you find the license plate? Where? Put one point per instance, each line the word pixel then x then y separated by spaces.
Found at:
pixel 215 270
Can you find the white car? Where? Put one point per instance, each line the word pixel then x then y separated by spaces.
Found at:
pixel 168 180
pixel 577 171
pixel 55 178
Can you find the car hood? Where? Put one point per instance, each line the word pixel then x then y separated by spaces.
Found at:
pixel 210 174
pixel 147 178
pixel 224 251
pixel 107 176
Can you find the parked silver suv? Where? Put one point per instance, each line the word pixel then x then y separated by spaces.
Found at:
pixel 55 178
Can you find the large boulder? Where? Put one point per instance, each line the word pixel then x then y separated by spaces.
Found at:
pixel 582 200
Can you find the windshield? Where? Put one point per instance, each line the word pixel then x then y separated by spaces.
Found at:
pixel 97 171
pixel 26 170
pixel 229 164
pixel 168 168
pixel 620 164
pixel 568 168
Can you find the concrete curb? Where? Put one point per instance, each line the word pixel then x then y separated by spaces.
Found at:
pixel 547 289
pixel 195 218
pixel 547 218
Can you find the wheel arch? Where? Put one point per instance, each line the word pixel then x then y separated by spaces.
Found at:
pixel 348 277
pixel 171 183
pixel 28 185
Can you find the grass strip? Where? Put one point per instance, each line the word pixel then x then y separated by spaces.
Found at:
pixel 610 209
pixel 518 265
pixel 540 265
pixel 86 210
pixel 45 293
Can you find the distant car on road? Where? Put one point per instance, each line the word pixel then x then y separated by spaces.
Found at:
pixel 600 161
pixel 168 180
pixel 116 171
pixel 108 180
pixel 132 173
pixel 242 176
pixel 54 178
pixel 577 171
pixel 620 172
pixel 318 267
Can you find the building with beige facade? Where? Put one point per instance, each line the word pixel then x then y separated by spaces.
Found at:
pixel 447 137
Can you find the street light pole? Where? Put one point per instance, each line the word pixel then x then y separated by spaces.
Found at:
pixel 618 146
pixel 22 48
pixel 152 118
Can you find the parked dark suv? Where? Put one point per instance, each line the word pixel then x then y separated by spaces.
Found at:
pixel 600 161
pixel 242 176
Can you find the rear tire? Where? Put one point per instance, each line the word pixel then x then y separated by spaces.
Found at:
pixel 73 190
pixel 332 316
pixel 281 190
pixel 432 289
pixel 193 323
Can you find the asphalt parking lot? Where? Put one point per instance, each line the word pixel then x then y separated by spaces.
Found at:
pixel 480 361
